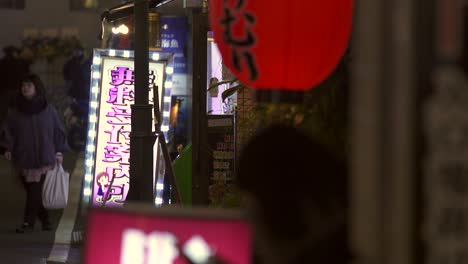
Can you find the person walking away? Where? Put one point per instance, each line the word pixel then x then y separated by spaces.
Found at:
pixel 35 140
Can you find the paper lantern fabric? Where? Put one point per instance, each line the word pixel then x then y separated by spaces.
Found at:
pixel 288 45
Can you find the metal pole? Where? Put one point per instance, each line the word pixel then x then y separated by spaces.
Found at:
pixel 382 143
pixel 365 132
pixel 199 125
pixel 142 138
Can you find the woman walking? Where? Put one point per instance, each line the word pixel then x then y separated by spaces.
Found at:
pixel 35 140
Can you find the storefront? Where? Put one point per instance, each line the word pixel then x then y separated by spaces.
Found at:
pixel 181 69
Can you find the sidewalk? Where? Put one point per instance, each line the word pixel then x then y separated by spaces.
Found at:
pixel 68 235
pixel 24 248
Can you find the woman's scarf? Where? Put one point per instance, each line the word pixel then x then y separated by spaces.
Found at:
pixel 32 106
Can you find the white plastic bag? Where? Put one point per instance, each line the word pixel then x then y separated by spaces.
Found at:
pixel 55 188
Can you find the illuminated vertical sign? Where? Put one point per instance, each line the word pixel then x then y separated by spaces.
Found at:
pixel 107 174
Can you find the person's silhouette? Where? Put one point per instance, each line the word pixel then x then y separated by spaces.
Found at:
pixel 296 197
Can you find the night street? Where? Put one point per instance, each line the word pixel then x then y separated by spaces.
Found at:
pixel 234 132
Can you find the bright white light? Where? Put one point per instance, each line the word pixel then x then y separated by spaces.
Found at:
pixel 96 75
pixel 92 134
pixel 115 30
pixel 159 186
pixel 168 84
pixel 169 70
pixel 123 29
pixel 95 89
pixel 126 54
pixel 87 191
pixel 197 249
pixel 91 148
pixel 94 104
pixel 158 201
pixel 93 118
pixel 165 26
pixel 96 60
pixel 88 177
pixel 155 56
pixel 111 52
pixel 166 114
pixel 89 162
pixel 167 99
pixel 164 128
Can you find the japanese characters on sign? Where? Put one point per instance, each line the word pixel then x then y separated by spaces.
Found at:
pixel 112 160
pixel 221 158
pixel 174 40
pixel 242 56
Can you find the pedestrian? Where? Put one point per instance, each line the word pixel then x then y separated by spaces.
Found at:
pixel 10 65
pixel 296 198
pixel 71 71
pixel 77 76
pixel 35 140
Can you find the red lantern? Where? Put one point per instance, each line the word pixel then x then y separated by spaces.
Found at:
pixel 289 45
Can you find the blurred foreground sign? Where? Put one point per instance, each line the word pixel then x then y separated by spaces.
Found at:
pixel 146 235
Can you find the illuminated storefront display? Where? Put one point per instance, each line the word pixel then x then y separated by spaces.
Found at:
pixel 107 170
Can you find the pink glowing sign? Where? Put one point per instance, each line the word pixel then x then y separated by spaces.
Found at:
pixel 159 235
pixel 112 162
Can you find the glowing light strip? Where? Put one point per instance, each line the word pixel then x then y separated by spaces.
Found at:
pixel 165 112
pixel 93 118
pixel 88 177
pixel 97 60
pixel 90 146
pixel 158 201
pixel 92 134
pixel 87 192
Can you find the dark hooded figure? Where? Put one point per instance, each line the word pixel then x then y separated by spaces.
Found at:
pixel 12 68
pixel 296 198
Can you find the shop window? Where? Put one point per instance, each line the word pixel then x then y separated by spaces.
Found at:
pixel 11 4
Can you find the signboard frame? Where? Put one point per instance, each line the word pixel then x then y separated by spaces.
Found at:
pixel 98 75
